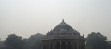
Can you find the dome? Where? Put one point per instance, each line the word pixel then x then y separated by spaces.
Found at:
pixel 63 26
pixel 63 29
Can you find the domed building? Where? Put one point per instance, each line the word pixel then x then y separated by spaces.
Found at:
pixel 63 36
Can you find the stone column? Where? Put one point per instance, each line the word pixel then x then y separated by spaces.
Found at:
pixel 60 44
pixel 77 44
pixel 46 46
pixel 49 45
pixel 66 45
pixel 73 44
pixel 53 45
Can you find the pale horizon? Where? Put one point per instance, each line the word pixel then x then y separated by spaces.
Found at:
pixel 28 17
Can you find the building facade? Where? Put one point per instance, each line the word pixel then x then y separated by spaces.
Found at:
pixel 63 36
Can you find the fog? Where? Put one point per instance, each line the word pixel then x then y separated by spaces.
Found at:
pixel 28 17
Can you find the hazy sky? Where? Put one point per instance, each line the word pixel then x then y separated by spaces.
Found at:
pixel 28 17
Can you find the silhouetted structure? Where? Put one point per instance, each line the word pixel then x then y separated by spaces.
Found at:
pixel 2 44
pixel 63 36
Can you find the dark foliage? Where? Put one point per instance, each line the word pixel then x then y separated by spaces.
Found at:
pixel 14 42
pixel 96 41
pixel 34 42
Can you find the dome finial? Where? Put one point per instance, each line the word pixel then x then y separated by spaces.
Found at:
pixel 62 23
pixel 62 20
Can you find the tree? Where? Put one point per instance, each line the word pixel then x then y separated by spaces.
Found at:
pixel 96 41
pixel 109 44
pixel 34 42
pixel 14 42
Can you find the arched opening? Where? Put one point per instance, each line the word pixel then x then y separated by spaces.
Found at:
pixel 58 45
pixel 63 45
pixel 69 46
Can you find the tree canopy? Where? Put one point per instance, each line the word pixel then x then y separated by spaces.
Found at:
pixel 14 42
pixel 96 41
pixel 34 42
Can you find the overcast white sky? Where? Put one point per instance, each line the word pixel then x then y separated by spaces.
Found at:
pixel 28 17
